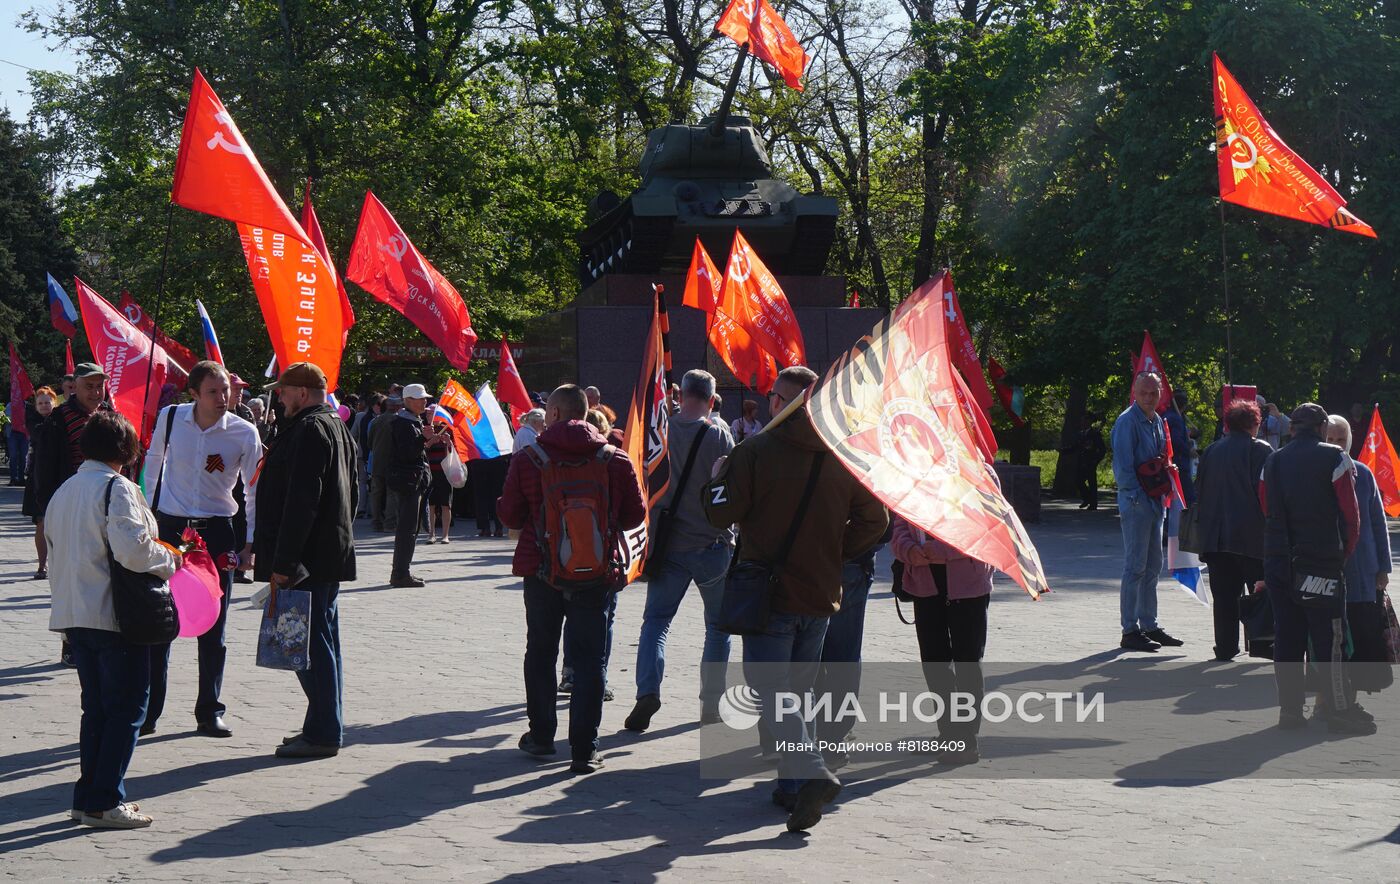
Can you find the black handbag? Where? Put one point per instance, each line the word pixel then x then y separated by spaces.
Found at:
pixel 1257 615
pixel 145 609
pixel 748 589
pixel 660 528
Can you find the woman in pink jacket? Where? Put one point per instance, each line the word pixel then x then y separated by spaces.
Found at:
pixel 951 592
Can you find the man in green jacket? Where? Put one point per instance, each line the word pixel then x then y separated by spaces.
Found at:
pixel 759 488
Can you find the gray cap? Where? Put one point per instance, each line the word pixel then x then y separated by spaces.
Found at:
pixel 1309 415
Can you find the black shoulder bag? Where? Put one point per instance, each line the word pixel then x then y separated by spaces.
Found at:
pixel 164 456
pixel 749 587
pixel 660 528
pixel 144 607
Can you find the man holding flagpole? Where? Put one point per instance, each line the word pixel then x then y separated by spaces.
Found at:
pixel 408 477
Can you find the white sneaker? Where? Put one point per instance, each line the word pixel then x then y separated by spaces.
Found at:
pixel 123 816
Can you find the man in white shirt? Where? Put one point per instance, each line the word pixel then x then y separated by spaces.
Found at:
pixel 198 453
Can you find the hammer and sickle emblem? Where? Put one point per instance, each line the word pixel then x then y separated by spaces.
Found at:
pixel 396 246
pixel 219 140
pixel 741 258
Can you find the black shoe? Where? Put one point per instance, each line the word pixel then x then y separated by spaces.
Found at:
pixel 148 728
pixel 835 759
pixel 786 800
pixel 1350 721
pixel 640 718
pixel 591 764
pixel 1291 720
pixel 1136 641
pixel 1161 637
pixel 811 798
pixel 214 727
pixel 241 577
pixel 41 574
pixel 608 695
pixel 407 582
pixel 566 687
pixel 710 715
pixel 1226 656
pixel 959 757
pixel 302 748
pixel 530 747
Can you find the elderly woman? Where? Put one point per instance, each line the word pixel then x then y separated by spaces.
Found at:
pixel 531 425
pixel 748 423
pixel 115 675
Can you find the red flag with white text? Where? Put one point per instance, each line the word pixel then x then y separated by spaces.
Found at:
pixel 1378 453
pixel 123 351
pixel 312 225
pixel 961 346
pixel 769 318
pixel 180 360
pixel 769 38
pixel 386 264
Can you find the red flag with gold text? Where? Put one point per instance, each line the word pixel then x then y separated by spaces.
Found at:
pixel 769 38
pixel 963 350
pixel 1258 171
pixel 889 411
pixel 768 318
pixel 312 225
pixel 123 351
pixel 702 281
pixel 1378 453
pixel 727 329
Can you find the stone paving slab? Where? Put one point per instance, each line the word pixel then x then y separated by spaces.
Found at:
pixel 430 786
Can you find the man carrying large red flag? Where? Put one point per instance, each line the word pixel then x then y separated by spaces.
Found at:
pixel 386 264
pixel 755 24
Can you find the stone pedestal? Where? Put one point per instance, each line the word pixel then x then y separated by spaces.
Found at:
pixel 1021 486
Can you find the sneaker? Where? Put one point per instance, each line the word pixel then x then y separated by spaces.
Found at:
pixel 303 748
pixel 41 574
pixel 811 798
pixel 529 746
pixel 591 764
pixel 1350 721
pixel 407 582
pixel 566 687
pixel 1136 641
pixel 640 718
pixel 430 541
pixel 786 800
pixel 1291 720
pixel 608 695
pixel 1161 637
pixel 123 816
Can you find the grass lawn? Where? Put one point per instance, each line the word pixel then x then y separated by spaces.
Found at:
pixel 1047 459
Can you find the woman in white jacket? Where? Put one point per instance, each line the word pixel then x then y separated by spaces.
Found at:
pixel 115 675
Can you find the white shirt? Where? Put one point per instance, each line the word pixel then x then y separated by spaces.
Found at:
pixel 203 465
pixel 524 438
pixel 78 537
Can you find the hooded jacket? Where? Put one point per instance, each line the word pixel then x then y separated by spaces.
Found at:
pixel 523 495
pixel 758 490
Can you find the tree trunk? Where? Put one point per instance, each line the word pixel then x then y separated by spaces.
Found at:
pixel 1067 465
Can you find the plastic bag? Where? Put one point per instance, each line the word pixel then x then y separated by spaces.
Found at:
pixel 284 635
pixel 452 468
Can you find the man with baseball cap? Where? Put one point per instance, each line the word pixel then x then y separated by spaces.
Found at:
pixel 408 477
pixel 1311 526
pixel 303 537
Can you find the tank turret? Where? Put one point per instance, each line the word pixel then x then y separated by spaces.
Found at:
pixel 697 183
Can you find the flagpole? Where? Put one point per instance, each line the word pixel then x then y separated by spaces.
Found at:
pixel 155 316
pixel 728 98
pixel 1225 283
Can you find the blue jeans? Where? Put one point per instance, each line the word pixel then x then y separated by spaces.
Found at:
pixel 115 676
pixel 707 568
pixel 844 634
pixel 1141 522
pixel 18 451
pixel 323 681
pixel 789 653
pixel 583 619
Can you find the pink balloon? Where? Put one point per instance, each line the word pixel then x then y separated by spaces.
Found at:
pixel 197 604
pixel 344 412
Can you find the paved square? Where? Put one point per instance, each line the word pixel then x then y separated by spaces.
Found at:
pixel 430 786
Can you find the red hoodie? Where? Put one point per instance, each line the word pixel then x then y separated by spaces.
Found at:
pixel 520 502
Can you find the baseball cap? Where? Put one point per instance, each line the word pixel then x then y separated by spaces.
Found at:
pixel 1309 415
pixel 88 370
pixel 415 391
pixel 300 374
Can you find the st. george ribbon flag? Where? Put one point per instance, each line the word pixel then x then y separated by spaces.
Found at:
pixel 122 350
pixel 386 264
pixel 889 411
pixel 645 436
pixel 217 173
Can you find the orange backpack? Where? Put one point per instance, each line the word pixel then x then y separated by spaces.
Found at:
pixel 579 543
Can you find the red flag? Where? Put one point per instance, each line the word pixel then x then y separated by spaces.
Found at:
pixel 463 411
pixel 68 356
pixel 312 225
pixel 1378 453
pixel 888 410
pixel 216 172
pixel 1148 360
pixel 768 37
pixel 976 420
pixel 510 389
pixel 122 350
pixel 854 301
pixel 644 436
pixel 1258 171
pixel 179 359
pixel 960 343
pixel 1004 391
pixel 702 281
pixel 386 264
pixel 20 390
pixel 768 319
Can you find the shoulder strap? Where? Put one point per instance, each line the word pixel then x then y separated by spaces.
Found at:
pixel 817 460
pixel 689 463
pixel 536 453
pixel 165 456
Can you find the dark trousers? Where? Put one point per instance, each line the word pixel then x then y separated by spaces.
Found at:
pixel 583 618
pixel 383 504
pixel 952 637
pixel 488 481
pixel 1088 481
pixel 18 452
pixel 220 538
pixel 323 681
pixel 1231 576
pixel 115 676
pixel 1318 632
pixel 406 532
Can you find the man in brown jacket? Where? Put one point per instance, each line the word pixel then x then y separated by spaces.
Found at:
pixel 759 488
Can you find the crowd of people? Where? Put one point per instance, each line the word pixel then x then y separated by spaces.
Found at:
pixel 273 484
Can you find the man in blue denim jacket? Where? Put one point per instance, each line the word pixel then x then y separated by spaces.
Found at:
pixel 1139 435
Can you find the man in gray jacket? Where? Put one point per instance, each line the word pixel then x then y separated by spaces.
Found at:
pixel 692 551
pixel 383 503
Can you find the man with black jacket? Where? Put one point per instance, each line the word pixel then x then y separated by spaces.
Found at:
pixel 304 538
pixel 408 478
pixel 760 488
pixel 1310 530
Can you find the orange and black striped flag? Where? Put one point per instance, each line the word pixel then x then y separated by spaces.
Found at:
pixel 645 433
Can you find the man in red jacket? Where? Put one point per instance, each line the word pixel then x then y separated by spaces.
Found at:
pixel 580 613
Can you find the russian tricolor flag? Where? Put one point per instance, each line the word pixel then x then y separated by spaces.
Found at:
pixel 61 310
pixel 211 340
